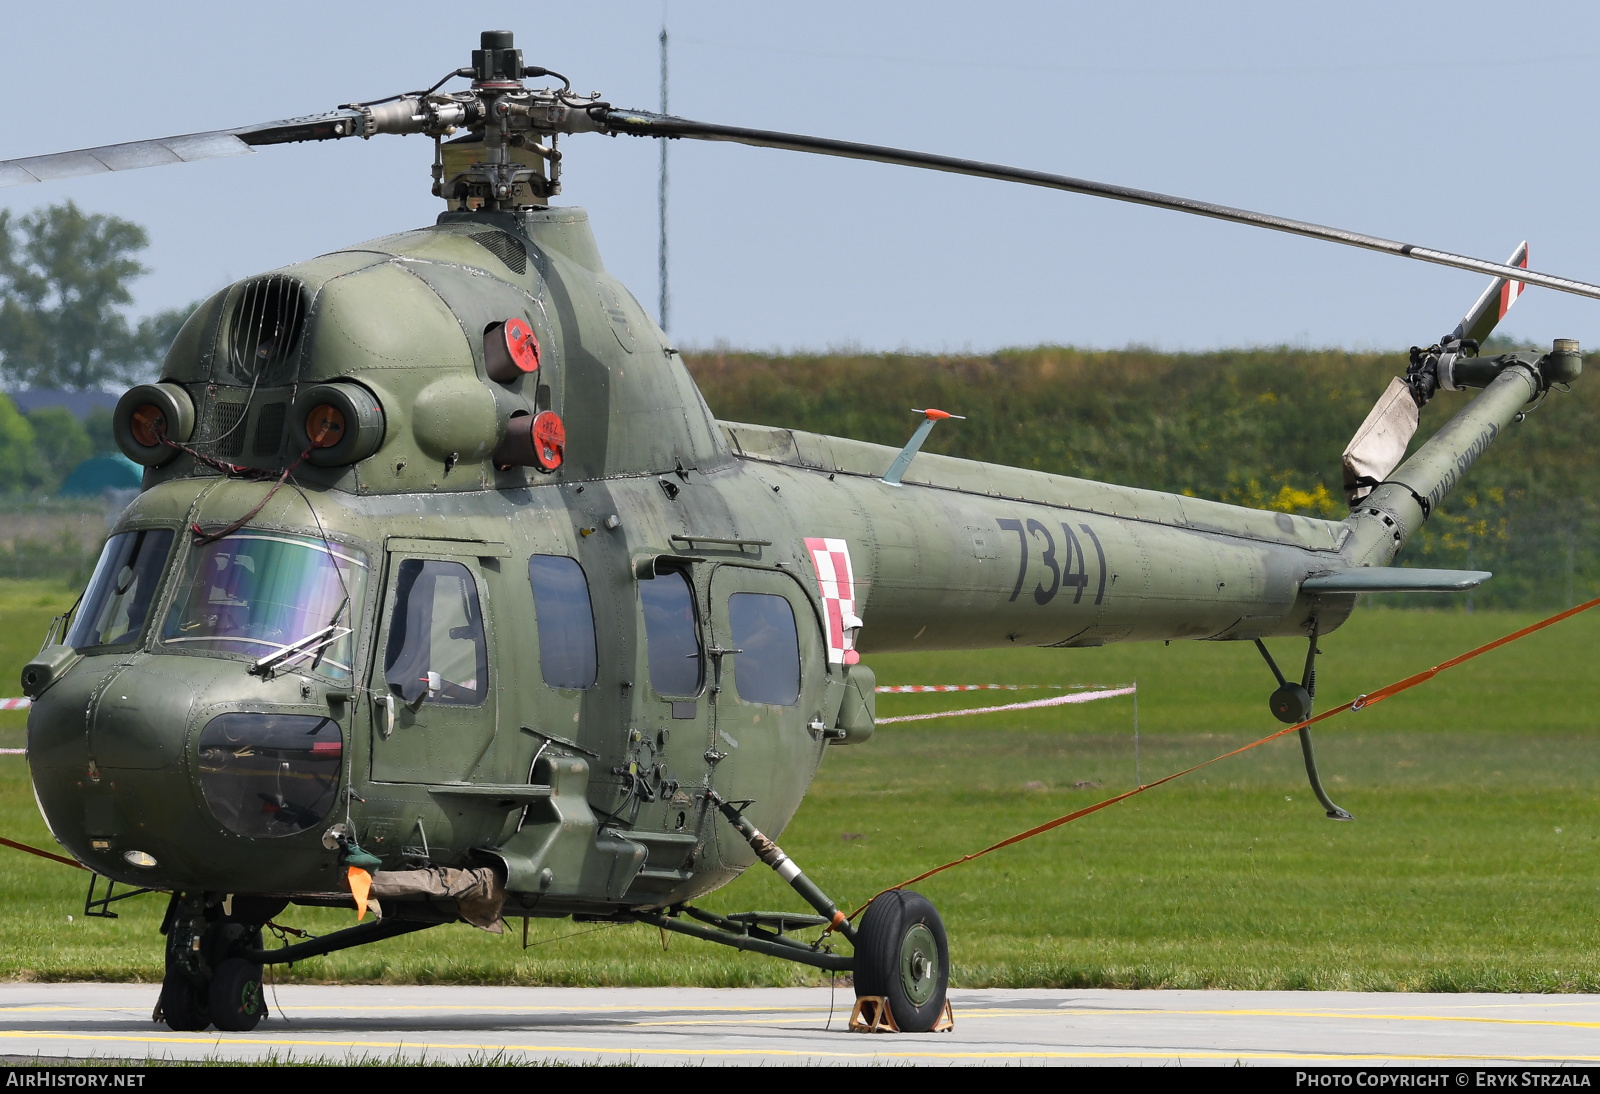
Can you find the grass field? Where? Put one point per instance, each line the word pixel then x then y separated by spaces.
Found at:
pixel 1471 864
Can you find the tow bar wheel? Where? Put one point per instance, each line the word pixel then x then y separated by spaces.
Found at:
pixel 902 955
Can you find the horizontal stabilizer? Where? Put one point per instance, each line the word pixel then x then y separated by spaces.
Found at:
pixel 1395 579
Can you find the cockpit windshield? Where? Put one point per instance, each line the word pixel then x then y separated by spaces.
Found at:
pixel 259 594
pixel 118 599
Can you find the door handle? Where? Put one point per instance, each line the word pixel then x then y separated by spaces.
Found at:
pixel 386 704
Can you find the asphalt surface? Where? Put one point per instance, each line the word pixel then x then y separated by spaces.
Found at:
pixel 790 1026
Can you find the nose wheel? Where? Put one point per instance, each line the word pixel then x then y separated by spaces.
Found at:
pixel 206 982
pixel 902 956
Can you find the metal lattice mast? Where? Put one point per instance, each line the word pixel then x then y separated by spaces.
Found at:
pixel 661 191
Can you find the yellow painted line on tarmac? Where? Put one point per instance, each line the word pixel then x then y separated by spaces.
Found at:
pixel 1168 1054
pixel 1321 1014
pixel 781 1016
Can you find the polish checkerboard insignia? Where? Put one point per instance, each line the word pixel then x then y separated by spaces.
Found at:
pixel 836 579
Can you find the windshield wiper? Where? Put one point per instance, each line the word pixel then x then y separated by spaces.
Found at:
pixel 343 604
pixel 310 644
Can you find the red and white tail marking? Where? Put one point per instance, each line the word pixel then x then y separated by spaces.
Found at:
pixel 836 580
pixel 1510 290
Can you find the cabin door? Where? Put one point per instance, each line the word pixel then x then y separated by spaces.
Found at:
pixel 768 668
pixel 433 701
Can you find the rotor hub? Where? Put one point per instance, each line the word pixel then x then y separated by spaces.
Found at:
pixel 498 65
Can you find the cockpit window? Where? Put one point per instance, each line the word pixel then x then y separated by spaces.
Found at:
pixel 126 579
pixel 258 594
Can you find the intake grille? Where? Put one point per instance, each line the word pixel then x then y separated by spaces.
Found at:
pixel 265 330
pixel 226 434
pixel 506 247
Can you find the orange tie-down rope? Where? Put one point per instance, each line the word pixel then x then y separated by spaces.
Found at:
pixel 1358 703
pixel 42 854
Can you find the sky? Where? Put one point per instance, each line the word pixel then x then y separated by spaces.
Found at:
pixel 1461 126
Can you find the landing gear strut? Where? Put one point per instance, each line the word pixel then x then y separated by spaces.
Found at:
pixel 1292 703
pixel 901 955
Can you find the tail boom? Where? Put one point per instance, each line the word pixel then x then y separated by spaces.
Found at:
pixel 1385 519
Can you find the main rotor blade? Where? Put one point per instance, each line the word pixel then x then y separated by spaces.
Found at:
pixel 644 124
pixel 183 149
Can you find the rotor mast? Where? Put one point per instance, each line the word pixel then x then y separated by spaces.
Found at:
pixel 661 192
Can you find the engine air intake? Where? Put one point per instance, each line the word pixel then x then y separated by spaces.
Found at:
pixel 264 332
pixel 504 246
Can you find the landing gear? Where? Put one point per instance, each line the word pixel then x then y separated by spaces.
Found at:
pixel 236 1002
pixel 208 980
pixel 902 956
pixel 182 1007
pixel 901 959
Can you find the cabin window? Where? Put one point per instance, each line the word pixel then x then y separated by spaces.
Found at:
pixel 437 652
pixel 671 639
pixel 122 589
pixel 767 666
pixel 566 621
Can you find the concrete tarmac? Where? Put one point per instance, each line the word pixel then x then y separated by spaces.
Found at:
pixel 665 1026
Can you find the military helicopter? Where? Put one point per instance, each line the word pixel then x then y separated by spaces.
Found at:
pixel 447 597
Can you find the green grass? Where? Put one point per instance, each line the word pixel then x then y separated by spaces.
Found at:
pixel 1471 864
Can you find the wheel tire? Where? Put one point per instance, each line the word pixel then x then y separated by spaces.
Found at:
pixel 237 1003
pixel 181 1006
pixel 902 954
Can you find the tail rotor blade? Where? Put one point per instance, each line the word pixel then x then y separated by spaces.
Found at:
pixel 1492 306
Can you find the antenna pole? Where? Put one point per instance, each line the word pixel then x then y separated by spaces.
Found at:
pixel 661 190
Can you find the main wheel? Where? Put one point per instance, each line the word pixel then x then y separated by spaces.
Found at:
pixel 902 954
pixel 181 1007
pixel 237 1004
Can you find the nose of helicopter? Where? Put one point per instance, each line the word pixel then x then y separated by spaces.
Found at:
pixel 165 770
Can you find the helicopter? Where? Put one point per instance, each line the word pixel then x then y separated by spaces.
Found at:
pixel 447 598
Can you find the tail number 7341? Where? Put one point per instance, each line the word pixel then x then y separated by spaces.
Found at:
pixel 1068 571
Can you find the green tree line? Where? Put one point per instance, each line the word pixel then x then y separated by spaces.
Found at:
pixel 65 294
pixel 65 280
pixel 39 450
pixel 1258 427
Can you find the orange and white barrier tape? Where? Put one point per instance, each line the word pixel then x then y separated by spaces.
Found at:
pixel 1053 701
pixel 908 689
pixel 14 704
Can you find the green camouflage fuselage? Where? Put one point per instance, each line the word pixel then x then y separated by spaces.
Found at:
pixel 594 797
